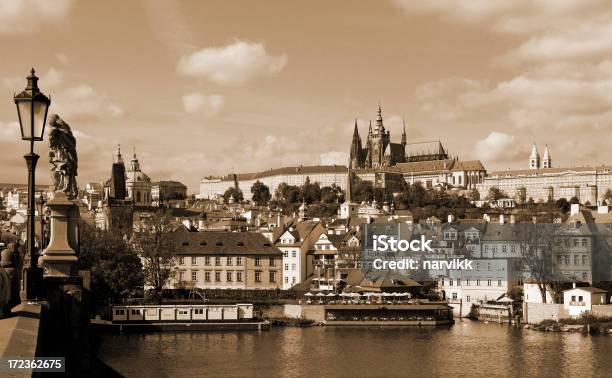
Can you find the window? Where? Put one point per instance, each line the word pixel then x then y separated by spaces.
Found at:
pixel 230 261
pixel 293 267
pixel 293 254
pixel 272 277
pixel 181 260
pixel 477 282
pixel 194 275
pixel 576 259
pixel 207 276
pixel 257 276
pixel 217 276
pixel 559 259
pixel 585 275
pixel 272 261
pixel 573 298
pixel 504 248
pixel 576 242
pixel 228 276
pixel 499 283
pixel 257 261
pixel 585 261
pixel 217 261
pixel 580 298
pixel 567 260
pixel 238 276
pixel 239 261
pixel 442 281
pixel 488 266
pixel 450 282
pixel 194 260
pixel 286 280
pixel 286 266
pixel 207 260
pixel 458 281
pixel 181 276
pixel 467 282
pixel 293 280
pixel 488 282
pixel 285 254
pixel 468 299
pixel 454 295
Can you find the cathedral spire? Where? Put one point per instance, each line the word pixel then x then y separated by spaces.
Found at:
pixel 546 160
pixel 404 133
pixel 534 158
pixel 119 158
pixel 356 148
pixel 379 119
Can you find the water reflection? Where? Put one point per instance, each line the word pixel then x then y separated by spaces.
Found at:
pixel 466 349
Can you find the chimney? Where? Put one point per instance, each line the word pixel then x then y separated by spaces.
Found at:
pixel 574 209
pixel 501 219
pixel 573 285
pixel 278 220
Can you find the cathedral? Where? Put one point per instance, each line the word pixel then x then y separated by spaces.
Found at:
pixel 379 151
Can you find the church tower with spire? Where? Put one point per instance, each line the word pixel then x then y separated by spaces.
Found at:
pixel 534 158
pixel 356 153
pixel 546 160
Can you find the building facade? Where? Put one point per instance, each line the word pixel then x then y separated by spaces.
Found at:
pixel 226 260
pixel 541 181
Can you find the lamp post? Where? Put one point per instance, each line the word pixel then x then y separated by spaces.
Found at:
pixel 32 106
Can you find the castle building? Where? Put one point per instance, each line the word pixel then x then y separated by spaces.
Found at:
pixel 542 181
pixel 378 151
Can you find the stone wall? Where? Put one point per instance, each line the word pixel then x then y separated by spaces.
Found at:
pixel 536 312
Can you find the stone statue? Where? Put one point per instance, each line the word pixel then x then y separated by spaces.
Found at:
pixel 63 157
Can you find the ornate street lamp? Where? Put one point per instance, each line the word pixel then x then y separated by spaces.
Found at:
pixel 32 108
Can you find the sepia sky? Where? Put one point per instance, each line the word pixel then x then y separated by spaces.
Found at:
pixel 207 87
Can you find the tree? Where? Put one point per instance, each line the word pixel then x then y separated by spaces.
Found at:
pixel 261 193
pixel 363 191
pixel 157 249
pixel 233 192
pixel 495 194
pixel 608 196
pixel 521 196
pixel 563 205
pixel 474 195
pixel 539 240
pixel 116 270
pixel 330 194
pixel 311 192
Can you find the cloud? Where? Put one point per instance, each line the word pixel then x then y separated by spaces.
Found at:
pixel 26 16
pixel 82 102
pixel 497 147
pixel 232 65
pixel 515 17
pixel 209 105
pixel 9 131
pixel 333 157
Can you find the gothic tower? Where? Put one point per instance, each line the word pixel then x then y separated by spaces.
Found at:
pixel 356 150
pixel 534 158
pixel 546 160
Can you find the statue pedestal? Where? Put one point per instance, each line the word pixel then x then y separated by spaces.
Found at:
pixel 59 259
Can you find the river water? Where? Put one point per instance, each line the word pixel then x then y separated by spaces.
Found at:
pixel 466 349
